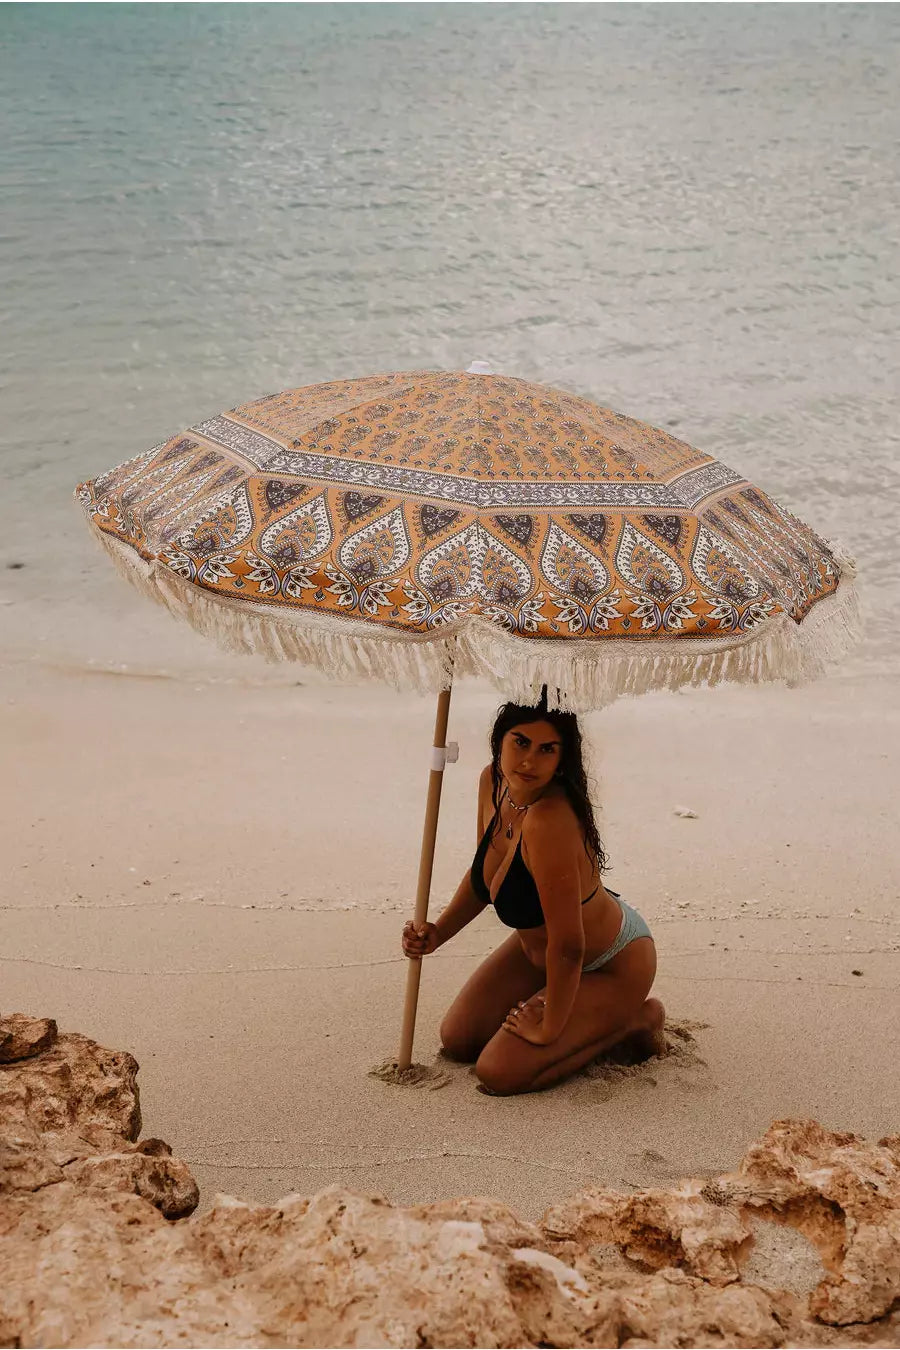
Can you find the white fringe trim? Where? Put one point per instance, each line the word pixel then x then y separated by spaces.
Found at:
pixel 580 674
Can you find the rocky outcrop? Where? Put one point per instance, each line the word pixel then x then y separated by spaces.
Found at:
pixel 843 1193
pixel 21 1037
pixel 93 1251
pixel 69 1083
pixel 70 1113
pixel 658 1229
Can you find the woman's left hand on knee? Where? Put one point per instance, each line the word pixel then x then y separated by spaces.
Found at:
pixel 526 1020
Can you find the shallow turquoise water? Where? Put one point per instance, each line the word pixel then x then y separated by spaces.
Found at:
pixel 686 212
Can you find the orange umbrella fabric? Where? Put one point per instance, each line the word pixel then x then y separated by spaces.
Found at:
pixel 409 527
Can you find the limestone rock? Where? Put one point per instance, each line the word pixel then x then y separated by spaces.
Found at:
pixel 92 1251
pixel 657 1228
pixel 165 1182
pixel 672 1309
pixel 74 1252
pixel 21 1036
pixel 71 1085
pixel 843 1193
pixel 70 1113
pixel 892 1143
pixel 341 1269
pixel 25 1165
pixel 502 1225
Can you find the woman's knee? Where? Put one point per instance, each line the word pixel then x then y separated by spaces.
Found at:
pixel 500 1073
pixel 458 1042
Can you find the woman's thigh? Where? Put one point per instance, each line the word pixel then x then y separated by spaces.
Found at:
pixel 607 1002
pixel 479 1009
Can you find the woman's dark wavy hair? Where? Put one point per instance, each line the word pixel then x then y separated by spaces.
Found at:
pixel 570 775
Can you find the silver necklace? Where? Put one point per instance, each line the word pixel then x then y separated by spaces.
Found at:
pixel 521 809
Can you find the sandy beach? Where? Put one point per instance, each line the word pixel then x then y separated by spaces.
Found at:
pixel 214 875
pixel 677 213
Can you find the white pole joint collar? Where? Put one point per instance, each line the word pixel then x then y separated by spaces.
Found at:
pixel 442 755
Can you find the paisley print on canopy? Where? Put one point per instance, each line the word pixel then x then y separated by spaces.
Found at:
pixel 519 527
pixel 717 568
pixel 646 567
pixel 279 493
pixel 357 505
pixel 450 570
pixel 668 529
pixel 571 568
pixel 433 520
pixel 381 549
pixel 593 527
pixel 141 490
pixel 300 536
pixel 189 487
pixel 505 578
pixel 114 481
pixel 223 527
pixel 474 562
pixel 421 499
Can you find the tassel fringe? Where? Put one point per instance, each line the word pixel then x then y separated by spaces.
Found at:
pixel 581 675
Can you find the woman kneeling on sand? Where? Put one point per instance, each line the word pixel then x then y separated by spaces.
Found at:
pixel 573 979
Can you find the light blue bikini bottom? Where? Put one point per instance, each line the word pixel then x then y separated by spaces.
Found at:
pixel 633 926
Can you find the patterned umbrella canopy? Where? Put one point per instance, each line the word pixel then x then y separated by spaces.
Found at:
pixel 407 526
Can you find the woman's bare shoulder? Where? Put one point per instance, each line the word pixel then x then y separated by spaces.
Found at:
pixel 550 816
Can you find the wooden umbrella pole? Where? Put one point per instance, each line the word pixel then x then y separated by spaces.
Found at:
pixel 426 863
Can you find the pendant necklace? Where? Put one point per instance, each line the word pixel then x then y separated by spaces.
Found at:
pixel 521 809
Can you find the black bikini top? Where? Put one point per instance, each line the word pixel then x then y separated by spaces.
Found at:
pixel 518 904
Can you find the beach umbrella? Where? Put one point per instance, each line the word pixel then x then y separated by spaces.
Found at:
pixel 414 527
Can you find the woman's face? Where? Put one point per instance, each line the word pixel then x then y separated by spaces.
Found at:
pixel 529 757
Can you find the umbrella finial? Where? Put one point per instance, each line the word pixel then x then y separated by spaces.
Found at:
pixel 480 368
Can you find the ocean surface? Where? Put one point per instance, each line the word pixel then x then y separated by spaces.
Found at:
pixel 687 212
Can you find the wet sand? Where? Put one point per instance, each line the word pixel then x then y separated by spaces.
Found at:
pixel 214 877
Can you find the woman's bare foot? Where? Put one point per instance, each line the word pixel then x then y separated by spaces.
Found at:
pixel 645 1039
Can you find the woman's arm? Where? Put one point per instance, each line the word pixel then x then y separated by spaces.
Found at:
pixel 462 909
pixel 552 839
pixel 465 905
